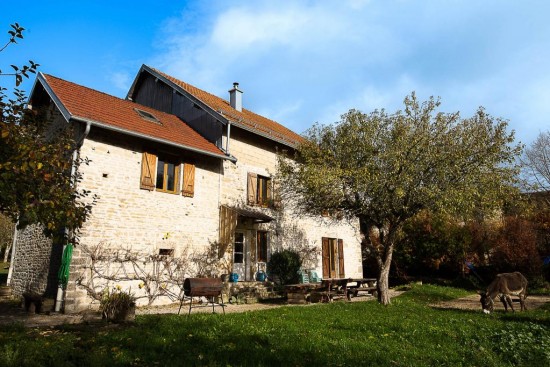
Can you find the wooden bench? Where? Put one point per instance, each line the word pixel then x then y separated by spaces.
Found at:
pixel 365 286
pixel 299 293
pixel 330 290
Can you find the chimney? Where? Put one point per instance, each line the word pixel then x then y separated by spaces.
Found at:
pixel 236 97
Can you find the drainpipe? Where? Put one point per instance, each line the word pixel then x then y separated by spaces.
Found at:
pixel 12 257
pixel 60 298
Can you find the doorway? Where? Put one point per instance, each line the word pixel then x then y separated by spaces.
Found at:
pixel 239 255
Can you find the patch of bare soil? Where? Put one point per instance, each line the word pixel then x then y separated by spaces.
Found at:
pixel 472 303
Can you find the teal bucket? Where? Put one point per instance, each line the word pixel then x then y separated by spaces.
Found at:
pixel 261 276
pixel 234 278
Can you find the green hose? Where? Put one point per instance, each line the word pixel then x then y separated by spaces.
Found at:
pixel 63 274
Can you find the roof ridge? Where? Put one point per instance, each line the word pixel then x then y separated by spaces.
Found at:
pixel 125 100
pixel 237 116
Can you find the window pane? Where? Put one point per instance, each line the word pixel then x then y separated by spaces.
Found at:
pixel 238 247
pixel 238 259
pixel 262 190
pixel 170 177
pixel 262 246
pixel 160 174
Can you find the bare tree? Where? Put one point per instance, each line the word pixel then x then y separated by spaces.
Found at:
pixel 536 163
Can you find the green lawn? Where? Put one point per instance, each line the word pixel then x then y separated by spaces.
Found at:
pixel 407 333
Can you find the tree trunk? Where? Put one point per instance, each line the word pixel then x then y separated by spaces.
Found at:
pixel 7 252
pixel 380 243
pixel 383 286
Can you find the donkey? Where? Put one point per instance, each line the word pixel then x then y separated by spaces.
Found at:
pixel 503 286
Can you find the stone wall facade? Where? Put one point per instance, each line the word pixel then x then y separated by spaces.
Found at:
pixel 142 221
pixel 289 230
pixel 127 217
pixel 36 262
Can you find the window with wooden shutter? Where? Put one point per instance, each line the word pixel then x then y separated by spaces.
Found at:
pixel 333 257
pixel 188 180
pixel 252 187
pixel 259 190
pixel 341 271
pixel 148 171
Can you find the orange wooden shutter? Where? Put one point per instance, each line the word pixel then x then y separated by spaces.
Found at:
pixel 228 224
pixel 188 180
pixel 252 185
pixel 326 258
pixel 148 170
pixel 341 272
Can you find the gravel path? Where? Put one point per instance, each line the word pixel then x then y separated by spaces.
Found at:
pixel 472 303
pixel 11 313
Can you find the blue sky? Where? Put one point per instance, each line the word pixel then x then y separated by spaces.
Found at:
pixel 300 62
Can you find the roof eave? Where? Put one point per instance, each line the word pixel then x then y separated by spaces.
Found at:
pixel 60 106
pixel 151 138
pixel 265 135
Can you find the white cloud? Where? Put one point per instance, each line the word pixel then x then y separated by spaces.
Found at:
pixel 311 61
pixel 121 80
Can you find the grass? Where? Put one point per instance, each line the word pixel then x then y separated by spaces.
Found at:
pixel 407 333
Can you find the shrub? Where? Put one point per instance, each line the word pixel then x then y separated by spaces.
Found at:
pixel 116 304
pixel 284 266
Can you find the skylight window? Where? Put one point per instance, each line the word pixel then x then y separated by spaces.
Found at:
pixel 147 116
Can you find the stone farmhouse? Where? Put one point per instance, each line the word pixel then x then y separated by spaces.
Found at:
pixel 177 171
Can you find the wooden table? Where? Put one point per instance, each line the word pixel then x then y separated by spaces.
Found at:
pixel 330 289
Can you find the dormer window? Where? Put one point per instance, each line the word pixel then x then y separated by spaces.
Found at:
pixel 147 116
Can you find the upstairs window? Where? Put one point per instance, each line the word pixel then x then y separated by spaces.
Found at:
pixel 163 173
pixel 259 190
pixel 168 171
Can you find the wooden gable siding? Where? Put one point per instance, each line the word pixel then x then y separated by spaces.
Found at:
pixel 156 94
pixel 197 118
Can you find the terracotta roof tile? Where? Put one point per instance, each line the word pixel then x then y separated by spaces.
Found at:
pixel 86 103
pixel 246 118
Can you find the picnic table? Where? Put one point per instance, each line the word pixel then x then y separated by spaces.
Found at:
pixel 367 286
pixel 330 289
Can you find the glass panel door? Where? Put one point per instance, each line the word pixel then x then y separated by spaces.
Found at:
pixel 239 260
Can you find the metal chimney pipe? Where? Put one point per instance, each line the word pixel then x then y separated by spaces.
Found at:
pixel 236 97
